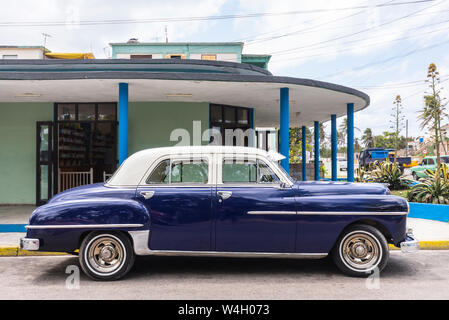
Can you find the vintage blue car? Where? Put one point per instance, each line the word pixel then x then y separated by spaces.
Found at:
pixel 219 201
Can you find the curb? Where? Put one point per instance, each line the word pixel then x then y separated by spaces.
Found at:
pixel 17 252
pixel 429 245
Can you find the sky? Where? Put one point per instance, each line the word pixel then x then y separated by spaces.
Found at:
pixel 381 50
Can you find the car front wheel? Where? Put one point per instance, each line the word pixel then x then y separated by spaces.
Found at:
pixel 360 251
pixel 106 255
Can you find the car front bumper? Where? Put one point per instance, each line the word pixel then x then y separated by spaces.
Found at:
pixel 29 244
pixel 410 244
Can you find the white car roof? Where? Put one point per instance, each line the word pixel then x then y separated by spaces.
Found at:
pixel 135 166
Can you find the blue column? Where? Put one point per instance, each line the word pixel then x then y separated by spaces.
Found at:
pixel 123 122
pixel 304 153
pixel 350 134
pixel 316 133
pixel 284 126
pixel 334 146
pixel 252 137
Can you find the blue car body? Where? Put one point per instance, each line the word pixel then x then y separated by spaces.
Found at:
pixel 190 219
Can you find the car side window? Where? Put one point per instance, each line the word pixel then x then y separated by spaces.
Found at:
pixel 180 171
pixel 189 171
pixel 265 174
pixel 247 171
pixel 160 174
pixel 424 162
pixel 430 162
pixel 239 171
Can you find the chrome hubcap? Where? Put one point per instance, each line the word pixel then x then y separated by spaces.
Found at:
pixel 105 254
pixel 361 251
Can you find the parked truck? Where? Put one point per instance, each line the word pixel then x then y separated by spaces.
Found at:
pixel 370 155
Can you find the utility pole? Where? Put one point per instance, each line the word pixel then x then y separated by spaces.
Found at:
pixel 46 35
pixel 406 137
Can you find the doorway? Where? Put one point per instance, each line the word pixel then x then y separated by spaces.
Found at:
pixel 79 147
pixel 86 143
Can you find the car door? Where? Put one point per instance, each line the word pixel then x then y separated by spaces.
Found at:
pixel 178 195
pixel 254 212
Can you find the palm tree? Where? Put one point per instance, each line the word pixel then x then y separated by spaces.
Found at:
pixel 344 129
pixel 368 138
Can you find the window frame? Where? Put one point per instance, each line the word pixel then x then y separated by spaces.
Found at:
pixel 221 158
pixel 206 158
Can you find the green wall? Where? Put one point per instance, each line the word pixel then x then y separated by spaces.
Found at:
pixel 18 149
pixel 151 123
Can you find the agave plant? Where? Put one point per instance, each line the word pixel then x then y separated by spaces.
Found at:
pixel 384 172
pixel 432 189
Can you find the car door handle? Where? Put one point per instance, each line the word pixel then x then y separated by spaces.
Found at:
pixel 224 194
pixel 147 194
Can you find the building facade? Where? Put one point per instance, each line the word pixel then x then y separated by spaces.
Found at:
pixel 215 51
pixel 72 122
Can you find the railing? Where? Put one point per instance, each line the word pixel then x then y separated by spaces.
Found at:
pixel 106 176
pixel 67 180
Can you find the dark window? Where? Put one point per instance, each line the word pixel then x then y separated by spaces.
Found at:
pixel 229 115
pixel 227 119
pixel 141 56
pixel 86 111
pixel 66 111
pixel 107 111
pixel 175 57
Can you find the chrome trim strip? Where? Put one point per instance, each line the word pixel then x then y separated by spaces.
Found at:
pixel 358 213
pixel 271 212
pixel 239 254
pixel 84 226
pixel 140 241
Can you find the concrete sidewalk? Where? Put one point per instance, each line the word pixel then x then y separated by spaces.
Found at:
pixel 432 235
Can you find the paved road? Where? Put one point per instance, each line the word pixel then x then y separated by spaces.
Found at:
pixel 422 275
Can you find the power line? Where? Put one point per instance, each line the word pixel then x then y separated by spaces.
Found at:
pixel 286 51
pixel 390 58
pixel 370 44
pixel 197 18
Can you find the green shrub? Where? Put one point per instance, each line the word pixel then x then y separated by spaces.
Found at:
pixel 384 172
pixel 432 189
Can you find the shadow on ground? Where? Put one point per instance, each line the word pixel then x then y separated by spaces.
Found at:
pixel 215 267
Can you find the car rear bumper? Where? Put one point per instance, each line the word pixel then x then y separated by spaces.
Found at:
pixel 410 244
pixel 29 244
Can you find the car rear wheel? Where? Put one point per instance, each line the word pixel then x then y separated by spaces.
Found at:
pixel 106 255
pixel 360 251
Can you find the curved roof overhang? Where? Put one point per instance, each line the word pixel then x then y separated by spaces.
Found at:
pixel 206 81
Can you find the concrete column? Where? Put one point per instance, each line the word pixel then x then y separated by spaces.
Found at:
pixel 316 133
pixel 350 134
pixel 304 153
pixel 123 122
pixel 334 146
pixel 284 128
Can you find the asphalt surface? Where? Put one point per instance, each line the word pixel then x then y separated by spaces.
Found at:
pixel 422 275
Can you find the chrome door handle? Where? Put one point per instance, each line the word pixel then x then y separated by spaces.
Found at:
pixel 224 194
pixel 147 194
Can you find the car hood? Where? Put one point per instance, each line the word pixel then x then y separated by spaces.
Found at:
pixel 323 188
